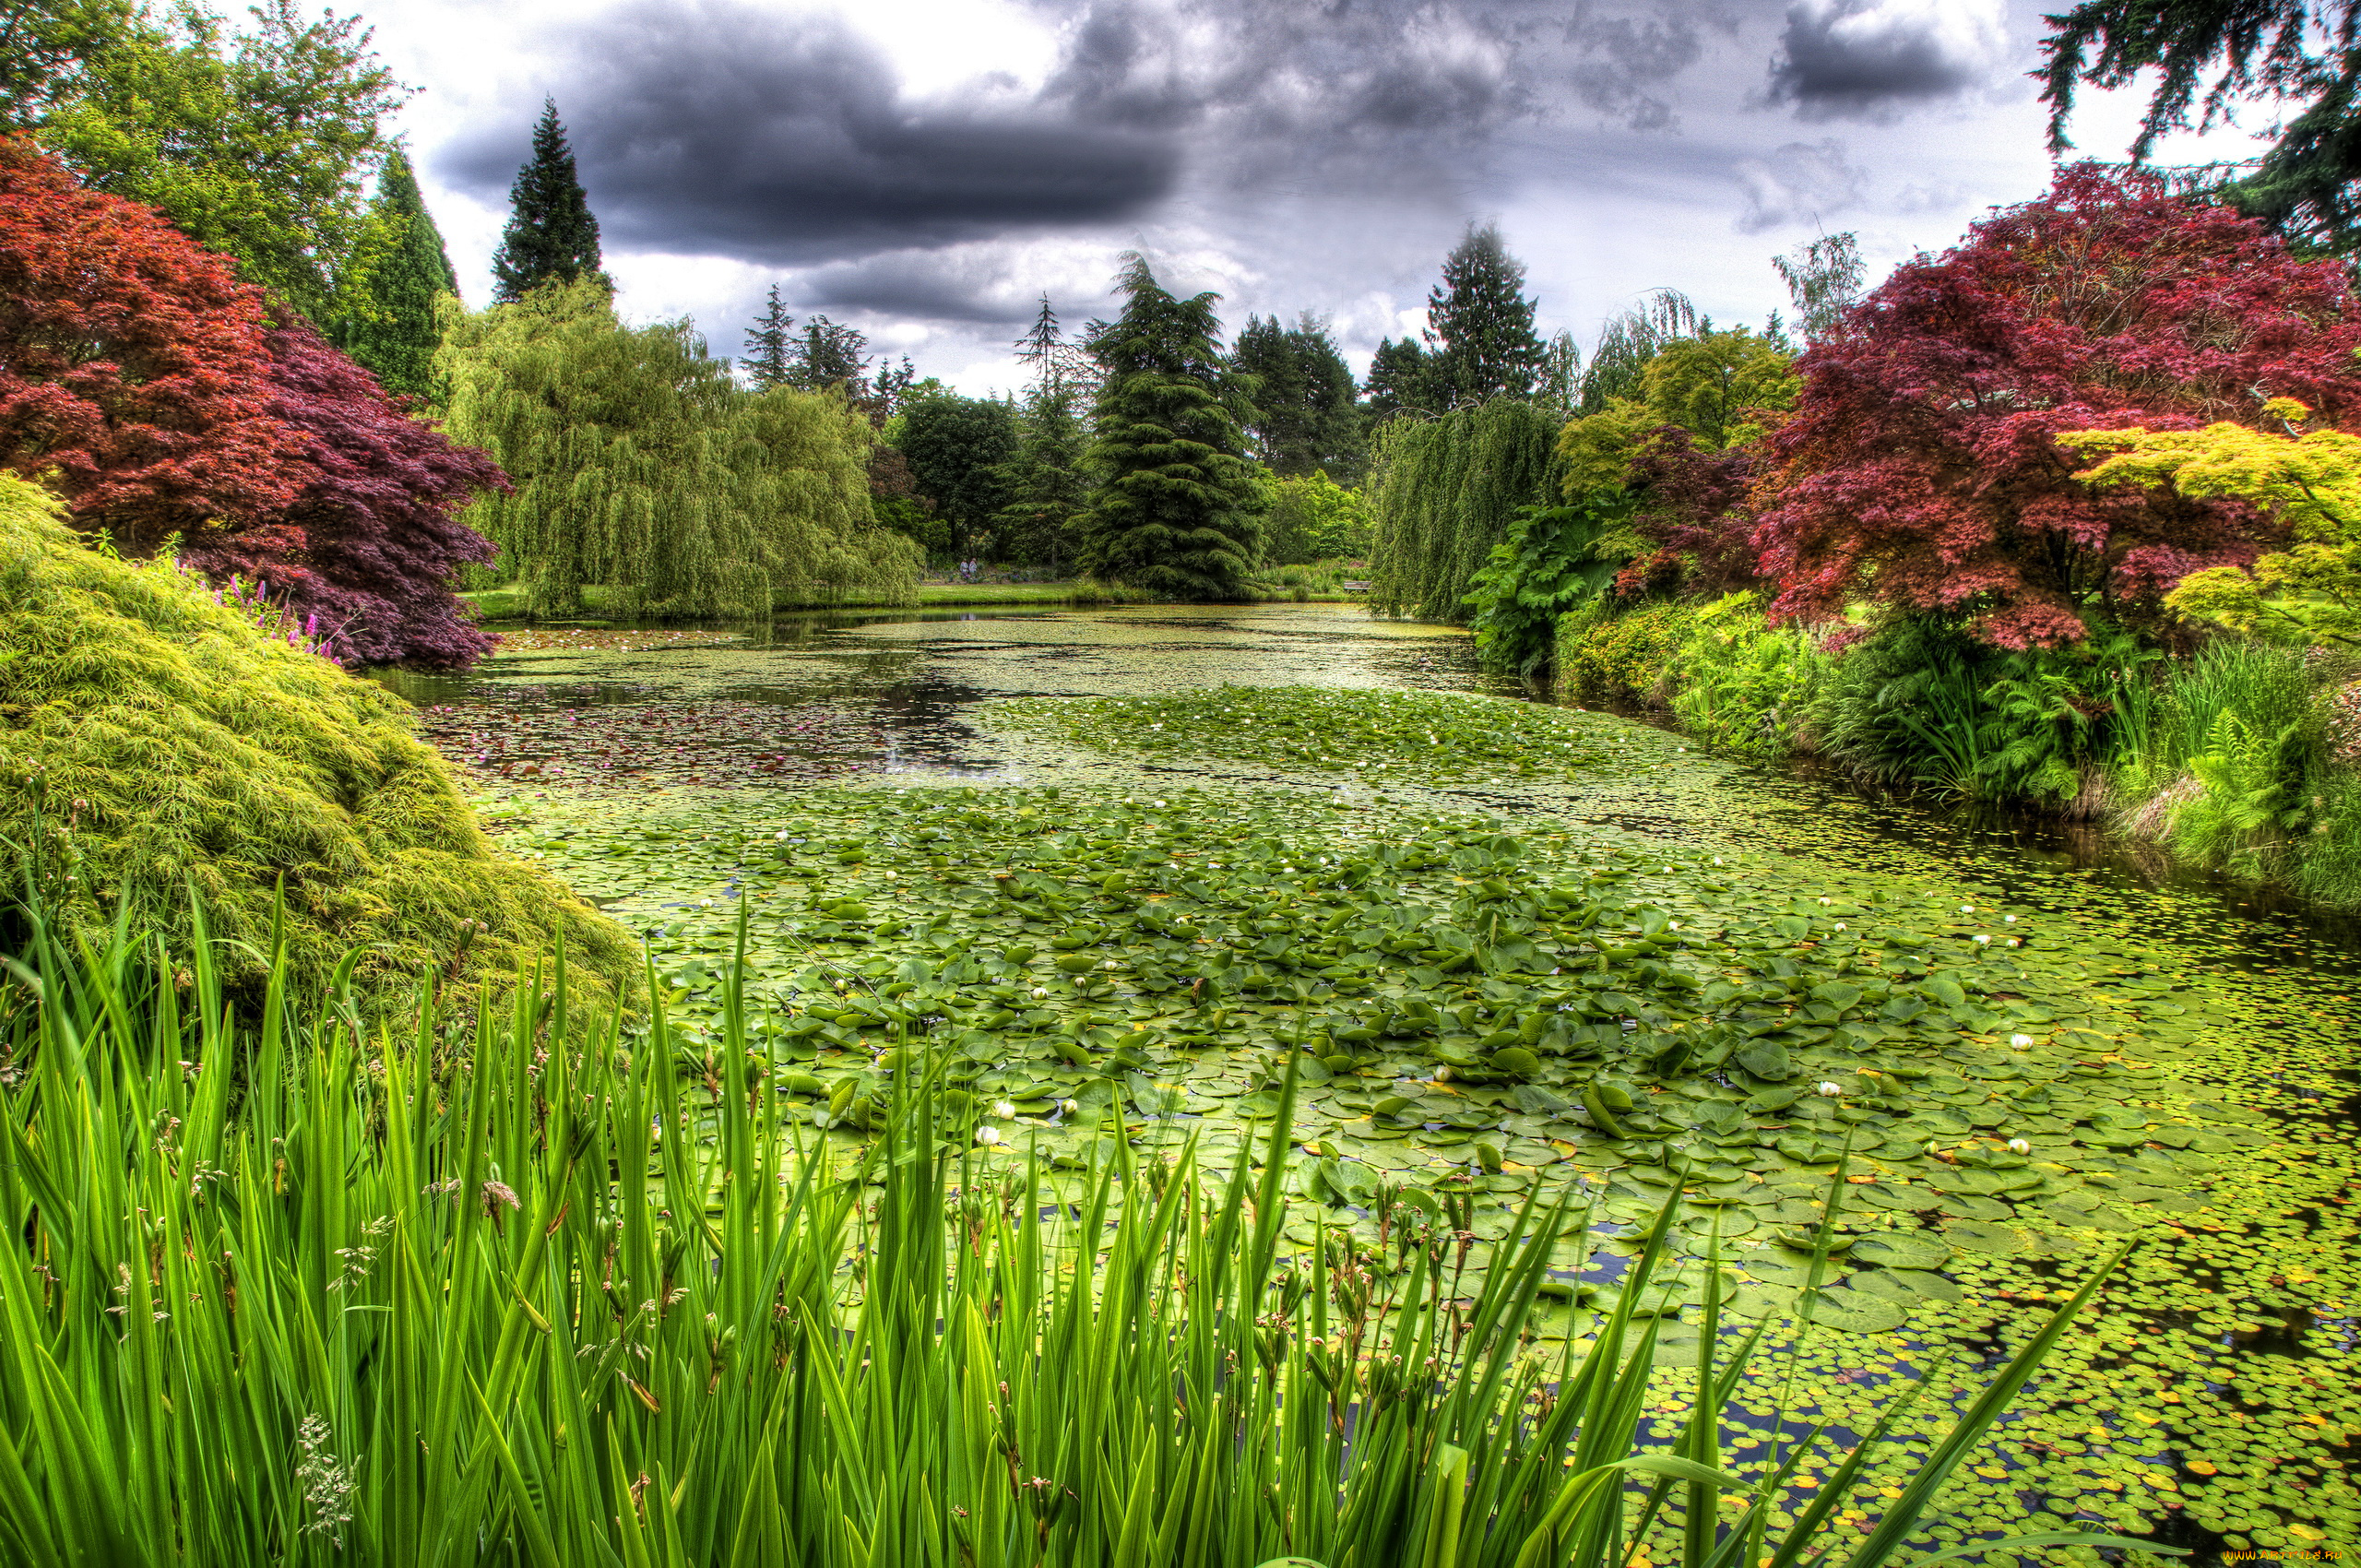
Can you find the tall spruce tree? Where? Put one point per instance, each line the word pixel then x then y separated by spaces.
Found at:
pixel 1179 511
pixel 1479 324
pixel 1305 419
pixel 397 333
pixel 766 361
pixel 550 235
pixel 1045 481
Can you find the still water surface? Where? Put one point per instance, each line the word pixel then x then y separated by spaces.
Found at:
pixel 898 697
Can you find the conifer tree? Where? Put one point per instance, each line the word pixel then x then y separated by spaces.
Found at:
pixel 398 336
pixel 1479 324
pixel 1045 481
pixel 551 236
pixel 766 361
pixel 1305 419
pixel 1401 380
pixel 829 354
pixel 1177 513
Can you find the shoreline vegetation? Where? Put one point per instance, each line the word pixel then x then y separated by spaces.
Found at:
pixel 2238 757
pixel 497 606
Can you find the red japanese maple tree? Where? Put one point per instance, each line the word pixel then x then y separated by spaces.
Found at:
pixel 133 376
pixel 1693 511
pixel 1919 468
pixel 163 398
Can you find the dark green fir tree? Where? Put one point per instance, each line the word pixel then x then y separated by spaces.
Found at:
pixel 768 361
pixel 551 237
pixel 1177 512
pixel 400 336
pixel 1479 326
pixel 1305 416
pixel 1401 380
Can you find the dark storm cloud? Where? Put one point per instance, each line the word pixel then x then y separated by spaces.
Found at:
pixel 1867 59
pixel 718 131
pixel 925 286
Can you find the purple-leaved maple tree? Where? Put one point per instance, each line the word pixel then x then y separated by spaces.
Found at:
pixel 373 544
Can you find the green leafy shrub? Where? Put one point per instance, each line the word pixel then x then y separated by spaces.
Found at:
pixel 1620 655
pixel 156 745
pixel 1743 686
pixel 1920 704
pixel 2250 798
pixel 1554 558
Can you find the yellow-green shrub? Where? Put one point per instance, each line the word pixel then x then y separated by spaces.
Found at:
pixel 153 741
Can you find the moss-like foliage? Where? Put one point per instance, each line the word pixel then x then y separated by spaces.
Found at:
pixel 152 741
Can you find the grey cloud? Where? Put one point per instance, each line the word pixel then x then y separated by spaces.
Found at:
pixel 722 131
pixel 1801 180
pixel 1870 59
pixel 921 285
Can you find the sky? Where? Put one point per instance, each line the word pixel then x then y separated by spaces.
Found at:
pixel 927 169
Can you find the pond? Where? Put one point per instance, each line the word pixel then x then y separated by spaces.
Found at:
pixel 1511 944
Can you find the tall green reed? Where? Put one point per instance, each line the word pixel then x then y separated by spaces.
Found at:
pixel 540 1291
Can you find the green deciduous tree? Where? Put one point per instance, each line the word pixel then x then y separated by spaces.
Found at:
pixel 959 451
pixel 1177 511
pixel 1305 417
pixel 1629 342
pixel 551 236
pixel 1823 279
pixel 1311 517
pixel 2307 479
pixel 397 331
pixel 640 465
pixel 1444 491
pixel 1479 324
pixel 258 144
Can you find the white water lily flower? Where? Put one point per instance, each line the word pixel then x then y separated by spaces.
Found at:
pixel 1831 1090
pixel 2020 1042
pixel 1840 925
pixel 1111 964
pixel 2013 942
pixel 705 904
pixel 1004 1109
pixel 1442 1074
pixel 1967 909
pixel 2010 920
pixel 1040 994
pixel 1824 903
pixel 1981 940
pixel 782 834
pixel 2018 1145
pixel 1717 859
pixel 988 1134
pixel 1068 1106
pixel 1160 802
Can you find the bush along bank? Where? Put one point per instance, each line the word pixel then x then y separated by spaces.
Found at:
pixel 2240 757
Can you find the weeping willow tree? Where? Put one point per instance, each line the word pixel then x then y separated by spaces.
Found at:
pixel 639 464
pixel 1444 491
